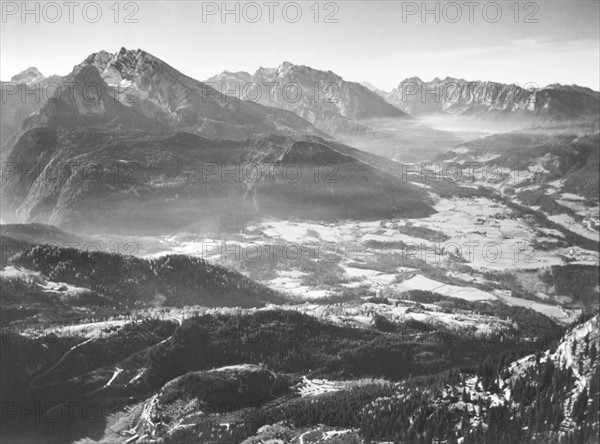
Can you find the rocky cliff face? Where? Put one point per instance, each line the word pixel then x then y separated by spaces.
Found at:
pixel 135 90
pixel 83 99
pixel 495 100
pixel 21 96
pixel 30 75
pixel 321 97
pixel 158 91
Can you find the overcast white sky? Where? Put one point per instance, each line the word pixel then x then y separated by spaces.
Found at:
pixel 370 41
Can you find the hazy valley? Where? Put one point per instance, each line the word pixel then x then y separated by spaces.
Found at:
pixel 216 262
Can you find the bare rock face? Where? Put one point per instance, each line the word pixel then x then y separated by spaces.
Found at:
pixel 351 112
pixel 490 100
pixel 83 99
pixel 21 96
pixel 135 90
pixel 30 75
pixel 321 97
pixel 158 91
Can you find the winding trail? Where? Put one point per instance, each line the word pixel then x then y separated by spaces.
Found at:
pixel 32 384
pixel 117 368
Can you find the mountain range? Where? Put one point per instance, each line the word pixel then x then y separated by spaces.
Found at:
pixel 132 110
pixel 129 115
pixel 322 97
pixel 136 90
pixel 496 101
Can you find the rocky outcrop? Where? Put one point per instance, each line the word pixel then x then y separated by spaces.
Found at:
pixel 158 91
pixel 321 97
pixel 490 100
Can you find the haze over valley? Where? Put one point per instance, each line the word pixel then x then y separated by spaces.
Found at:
pixel 291 256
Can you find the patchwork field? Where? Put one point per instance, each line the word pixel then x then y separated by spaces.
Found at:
pixel 459 252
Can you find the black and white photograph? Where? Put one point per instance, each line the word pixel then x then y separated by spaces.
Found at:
pixel 300 222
